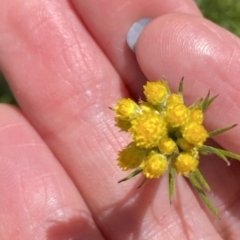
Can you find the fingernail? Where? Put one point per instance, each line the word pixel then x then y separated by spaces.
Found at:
pixel 134 32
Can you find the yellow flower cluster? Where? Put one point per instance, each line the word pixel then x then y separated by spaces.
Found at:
pixel 164 131
pixel 167 136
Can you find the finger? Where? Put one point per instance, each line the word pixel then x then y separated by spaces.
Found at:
pixel 70 81
pixel 208 57
pixel 38 200
pixel 109 24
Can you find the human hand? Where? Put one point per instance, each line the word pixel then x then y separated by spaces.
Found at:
pixel 66 64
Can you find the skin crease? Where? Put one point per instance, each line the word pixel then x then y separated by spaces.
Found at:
pixel 66 64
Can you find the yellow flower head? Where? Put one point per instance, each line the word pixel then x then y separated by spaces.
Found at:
pixel 130 157
pixel 196 115
pixel 126 109
pixel 156 92
pixel 177 115
pixel 147 129
pixel 174 99
pixel 194 133
pixel 154 165
pixel 184 144
pixel 146 107
pixel 185 163
pixel 166 146
pixel 124 125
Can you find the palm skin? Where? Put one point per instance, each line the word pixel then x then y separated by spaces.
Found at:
pixel 66 64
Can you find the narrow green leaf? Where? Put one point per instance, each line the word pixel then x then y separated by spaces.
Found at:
pixel 180 86
pixel 221 130
pixel 171 183
pixel 202 195
pixel 207 101
pixel 131 175
pixel 201 179
pixel 208 150
pixel 229 154
pixel 219 152
pixel 197 103
pixel 143 181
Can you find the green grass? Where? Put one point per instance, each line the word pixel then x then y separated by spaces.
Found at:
pixel 225 13
pixel 5 93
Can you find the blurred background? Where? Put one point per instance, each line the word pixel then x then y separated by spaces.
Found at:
pixel 225 13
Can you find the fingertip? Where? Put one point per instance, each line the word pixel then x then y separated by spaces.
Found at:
pixel 176 45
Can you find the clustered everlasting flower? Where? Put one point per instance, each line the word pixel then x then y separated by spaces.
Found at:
pixel 167 136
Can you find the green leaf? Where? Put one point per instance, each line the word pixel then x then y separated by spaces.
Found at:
pixel 208 150
pixel 197 103
pixel 171 183
pixel 201 179
pixel 229 154
pixel 131 175
pixel 143 181
pixel 221 130
pixel 180 86
pixel 202 195
pixel 223 154
pixel 207 101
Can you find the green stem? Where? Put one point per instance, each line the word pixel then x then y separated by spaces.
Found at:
pixel 171 183
pixel 202 195
pixel 131 175
pixel 201 179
